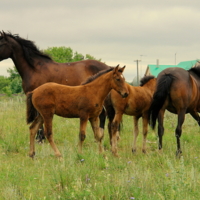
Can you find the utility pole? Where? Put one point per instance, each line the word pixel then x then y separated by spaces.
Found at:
pixel 137 62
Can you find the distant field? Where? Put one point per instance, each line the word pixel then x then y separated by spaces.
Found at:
pixel 90 176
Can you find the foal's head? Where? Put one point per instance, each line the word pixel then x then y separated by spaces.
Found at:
pixel 118 81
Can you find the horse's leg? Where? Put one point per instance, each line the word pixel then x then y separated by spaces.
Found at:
pixel 181 118
pixel 115 133
pixel 49 134
pixel 160 127
pixel 33 130
pixel 195 115
pixel 97 133
pixel 145 131
pixel 102 119
pixel 82 136
pixel 40 135
pixel 110 131
pixel 135 132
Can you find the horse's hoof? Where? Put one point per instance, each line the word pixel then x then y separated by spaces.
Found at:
pixel 133 150
pixel 178 153
pixel 31 155
pixel 115 155
pixel 144 151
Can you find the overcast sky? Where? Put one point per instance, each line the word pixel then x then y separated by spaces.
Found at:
pixel 117 31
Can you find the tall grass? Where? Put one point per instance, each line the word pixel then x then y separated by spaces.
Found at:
pixel 154 175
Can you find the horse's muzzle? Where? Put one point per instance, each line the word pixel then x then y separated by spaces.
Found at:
pixel 124 95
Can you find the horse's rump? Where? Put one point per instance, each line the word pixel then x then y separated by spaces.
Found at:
pixel 159 97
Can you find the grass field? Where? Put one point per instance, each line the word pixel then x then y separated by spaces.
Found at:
pixel 151 176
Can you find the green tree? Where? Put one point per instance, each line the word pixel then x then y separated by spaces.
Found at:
pixel 60 54
pixel 88 56
pixel 13 73
pixel 15 85
pixel 63 54
pixel 4 82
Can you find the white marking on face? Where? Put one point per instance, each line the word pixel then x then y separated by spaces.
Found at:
pixel 122 76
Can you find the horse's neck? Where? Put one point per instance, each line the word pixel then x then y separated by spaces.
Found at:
pixel 101 86
pixel 151 85
pixel 19 60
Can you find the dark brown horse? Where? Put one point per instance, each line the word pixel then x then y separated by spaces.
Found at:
pixel 136 104
pixel 37 68
pixel 84 102
pixel 178 91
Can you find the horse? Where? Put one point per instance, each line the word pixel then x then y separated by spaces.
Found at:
pixel 84 102
pixel 136 104
pixel 178 91
pixel 37 68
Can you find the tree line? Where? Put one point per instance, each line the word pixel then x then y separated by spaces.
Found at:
pixel 13 83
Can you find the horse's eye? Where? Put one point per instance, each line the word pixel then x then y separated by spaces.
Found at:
pixel 118 79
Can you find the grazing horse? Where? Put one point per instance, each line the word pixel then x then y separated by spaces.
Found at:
pixel 84 102
pixel 136 104
pixel 178 91
pixel 37 68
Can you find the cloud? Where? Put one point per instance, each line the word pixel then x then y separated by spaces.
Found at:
pixel 115 31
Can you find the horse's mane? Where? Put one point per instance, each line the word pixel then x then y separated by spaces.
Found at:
pixel 29 49
pixel 95 76
pixel 195 69
pixel 145 79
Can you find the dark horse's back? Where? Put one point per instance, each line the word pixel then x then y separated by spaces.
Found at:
pixel 95 66
pixel 172 84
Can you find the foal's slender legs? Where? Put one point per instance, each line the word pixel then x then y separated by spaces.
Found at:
pixel 49 134
pixel 97 133
pixel 33 130
pixel 115 133
pixel 83 125
pixel 145 131
pixel 181 118
pixel 135 132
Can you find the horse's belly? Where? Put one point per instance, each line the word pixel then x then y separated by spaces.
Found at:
pixel 67 113
pixel 71 115
pixel 132 110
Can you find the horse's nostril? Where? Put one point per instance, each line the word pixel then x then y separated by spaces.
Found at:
pixel 125 95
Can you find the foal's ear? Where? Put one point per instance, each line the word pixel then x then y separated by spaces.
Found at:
pixel 122 69
pixel 116 69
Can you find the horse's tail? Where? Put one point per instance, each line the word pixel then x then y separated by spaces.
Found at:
pixel 31 112
pixel 159 97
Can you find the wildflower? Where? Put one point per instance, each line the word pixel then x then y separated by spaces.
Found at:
pixel 132 197
pixel 167 175
pixel 82 160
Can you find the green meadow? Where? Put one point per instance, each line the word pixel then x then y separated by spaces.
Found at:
pixel 155 175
